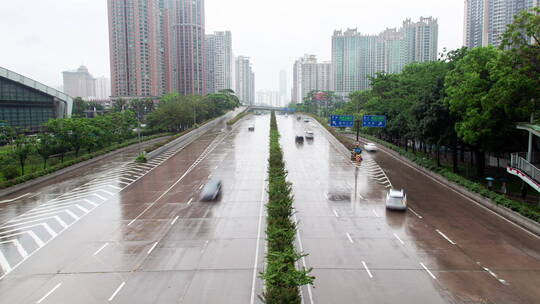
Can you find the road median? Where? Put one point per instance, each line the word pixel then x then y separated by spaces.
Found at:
pixel 282 279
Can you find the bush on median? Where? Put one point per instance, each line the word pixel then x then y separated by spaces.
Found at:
pixel 282 279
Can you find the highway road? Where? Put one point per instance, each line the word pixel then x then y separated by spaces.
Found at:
pixel 119 232
pixel 444 249
pixel 128 233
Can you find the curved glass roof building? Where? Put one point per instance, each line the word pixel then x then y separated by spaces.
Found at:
pixel 27 104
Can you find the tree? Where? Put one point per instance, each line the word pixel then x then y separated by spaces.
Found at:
pixel 7 133
pixel 119 105
pixel 79 107
pixel 473 89
pixel 22 148
pixel 522 42
pixel 59 130
pixel 46 145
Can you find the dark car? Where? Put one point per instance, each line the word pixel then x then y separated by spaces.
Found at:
pixel 211 190
pixel 299 139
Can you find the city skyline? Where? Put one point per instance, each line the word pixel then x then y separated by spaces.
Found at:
pixel 89 43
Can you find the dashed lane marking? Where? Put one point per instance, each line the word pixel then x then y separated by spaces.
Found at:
pixel 426 269
pixel 399 239
pixel 415 213
pixel 350 238
pixel 49 293
pixel 100 249
pixel 175 219
pixel 152 248
pixel 444 236
pixel 117 291
pixel 367 270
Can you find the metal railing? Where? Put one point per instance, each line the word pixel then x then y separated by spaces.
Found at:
pixel 519 162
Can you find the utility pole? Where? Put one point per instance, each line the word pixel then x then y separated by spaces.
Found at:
pixel 357 129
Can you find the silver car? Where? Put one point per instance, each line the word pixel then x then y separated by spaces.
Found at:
pixel 309 135
pixel 211 190
pixel 396 200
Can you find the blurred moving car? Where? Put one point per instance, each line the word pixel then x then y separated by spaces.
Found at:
pixel 251 128
pixel 298 118
pixel 309 135
pixel 370 147
pixel 299 139
pixel 211 190
pixel 306 119
pixel 396 200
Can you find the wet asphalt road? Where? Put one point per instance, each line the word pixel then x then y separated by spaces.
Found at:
pixel 127 233
pixel 138 233
pixel 444 249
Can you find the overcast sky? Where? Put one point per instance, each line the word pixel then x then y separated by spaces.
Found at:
pixel 42 38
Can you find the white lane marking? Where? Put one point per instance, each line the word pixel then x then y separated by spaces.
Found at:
pixel 4 263
pixel 152 248
pixel 99 196
pixel 44 225
pixel 310 293
pixel 418 215
pixel 190 201
pixel 215 168
pixel 257 245
pixel 335 212
pixel 117 291
pixel 210 176
pixel 425 268
pixel 36 239
pixel 19 247
pixel 14 199
pixel 361 197
pixel 175 219
pixel 493 274
pixel 375 212
pixel 49 293
pixel 464 196
pixel 201 186
pixel 350 238
pixel 444 236
pixel 100 249
pixel 367 269
pixel 399 239
pixel 57 218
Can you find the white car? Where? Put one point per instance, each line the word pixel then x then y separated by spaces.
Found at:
pixel 370 147
pixel 396 200
pixel 251 128
pixel 309 134
pixel 306 119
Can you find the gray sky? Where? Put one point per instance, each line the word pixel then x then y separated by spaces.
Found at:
pixel 42 38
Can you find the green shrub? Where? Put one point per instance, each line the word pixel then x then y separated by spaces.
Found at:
pixel 10 172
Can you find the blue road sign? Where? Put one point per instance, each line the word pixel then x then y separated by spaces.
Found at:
pixel 342 121
pixel 374 121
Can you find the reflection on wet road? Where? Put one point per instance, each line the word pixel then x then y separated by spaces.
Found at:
pixel 442 250
pixel 121 232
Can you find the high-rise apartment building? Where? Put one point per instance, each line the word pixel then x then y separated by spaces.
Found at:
pixel 357 57
pixel 310 75
pixel 283 86
pixel 219 61
pixel 103 88
pixel 269 98
pixel 486 20
pixel 245 80
pixel 79 83
pixel 137 48
pixel 187 46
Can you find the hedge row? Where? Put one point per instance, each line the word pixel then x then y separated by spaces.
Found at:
pixel 282 279
pixel 524 209
pixel 237 118
pixel 85 157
